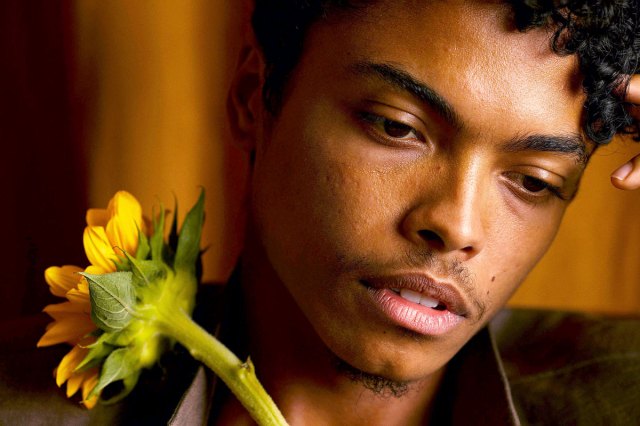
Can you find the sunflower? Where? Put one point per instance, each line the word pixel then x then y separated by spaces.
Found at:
pixel 109 232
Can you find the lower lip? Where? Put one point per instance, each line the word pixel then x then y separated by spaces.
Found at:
pixel 412 316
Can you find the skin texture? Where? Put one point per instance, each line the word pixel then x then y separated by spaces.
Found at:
pixel 339 195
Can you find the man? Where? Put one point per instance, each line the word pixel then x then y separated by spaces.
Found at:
pixel 411 162
pixel 410 166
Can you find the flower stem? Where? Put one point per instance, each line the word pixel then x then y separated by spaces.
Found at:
pixel 239 376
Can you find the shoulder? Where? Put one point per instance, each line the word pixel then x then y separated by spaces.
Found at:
pixel 570 367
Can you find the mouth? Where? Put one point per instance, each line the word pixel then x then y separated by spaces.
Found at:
pixel 419 298
pixel 418 303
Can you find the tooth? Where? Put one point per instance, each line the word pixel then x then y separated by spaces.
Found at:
pixel 428 302
pixel 410 295
pixel 397 290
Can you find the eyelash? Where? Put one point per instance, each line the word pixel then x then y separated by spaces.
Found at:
pixel 377 127
pixel 541 195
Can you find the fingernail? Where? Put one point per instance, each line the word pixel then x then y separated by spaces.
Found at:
pixel 622 172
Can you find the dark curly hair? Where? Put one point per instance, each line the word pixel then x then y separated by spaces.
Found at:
pixel 603 34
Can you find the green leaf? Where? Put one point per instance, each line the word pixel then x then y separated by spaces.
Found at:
pixel 188 249
pixel 122 365
pixel 113 300
pixel 157 239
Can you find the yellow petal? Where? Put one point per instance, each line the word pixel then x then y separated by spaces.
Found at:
pixel 62 279
pixel 123 233
pixel 126 222
pixel 87 387
pixel 83 286
pixel 69 363
pixel 69 329
pixel 73 383
pixel 97 217
pixel 125 204
pixel 98 249
pixel 79 295
pixel 60 310
pixel 96 270
pixel 91 402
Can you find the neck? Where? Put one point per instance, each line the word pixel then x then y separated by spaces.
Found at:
pixel 308 382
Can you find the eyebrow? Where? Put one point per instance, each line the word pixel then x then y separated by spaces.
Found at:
pixel 572 144
pixel 404 81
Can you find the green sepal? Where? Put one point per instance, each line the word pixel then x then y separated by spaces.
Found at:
pixel 173 235
pixel 113 299
pixel 146 271
pixel 188 249
pixel 143 246
pixel 121 365
pixel 98 351
pixel 157 240
pixel 129 383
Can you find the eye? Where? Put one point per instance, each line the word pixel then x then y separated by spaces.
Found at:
pixel 390 131
pixel 532 184
pixel 533 189
pixel 396 129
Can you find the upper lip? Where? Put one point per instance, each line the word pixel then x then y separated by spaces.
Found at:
pixel 443 292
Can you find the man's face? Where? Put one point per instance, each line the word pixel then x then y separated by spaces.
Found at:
pixel 424 151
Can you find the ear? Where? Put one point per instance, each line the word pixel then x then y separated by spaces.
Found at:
pixel 244 103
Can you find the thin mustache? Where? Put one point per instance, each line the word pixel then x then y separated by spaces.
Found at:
pixel 411 259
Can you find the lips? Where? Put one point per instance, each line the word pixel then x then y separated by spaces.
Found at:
pixel 445 294
pixel 417 302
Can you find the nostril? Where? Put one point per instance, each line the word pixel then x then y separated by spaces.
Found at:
pixel 434 240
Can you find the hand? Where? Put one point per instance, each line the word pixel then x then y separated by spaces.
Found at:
pixel 628 175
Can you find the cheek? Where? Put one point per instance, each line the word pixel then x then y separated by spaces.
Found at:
pixel 333 206
pixel 514 251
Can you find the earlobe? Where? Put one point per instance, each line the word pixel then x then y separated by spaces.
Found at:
pixel 244 102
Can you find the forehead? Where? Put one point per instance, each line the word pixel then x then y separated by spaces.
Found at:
pixel 469 52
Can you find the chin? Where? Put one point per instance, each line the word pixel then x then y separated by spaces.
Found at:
pixel 380 384
pixel 388 361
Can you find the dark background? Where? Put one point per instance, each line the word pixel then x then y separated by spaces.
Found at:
pixel 43 157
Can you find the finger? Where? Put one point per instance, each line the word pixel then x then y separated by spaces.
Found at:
pixel 628 175
pixel 633 91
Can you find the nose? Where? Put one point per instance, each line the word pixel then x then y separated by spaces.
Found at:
pixel 448 214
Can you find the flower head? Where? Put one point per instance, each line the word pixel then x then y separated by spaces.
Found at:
pixel 109 233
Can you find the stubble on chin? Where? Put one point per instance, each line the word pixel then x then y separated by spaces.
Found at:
pixel 378 385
